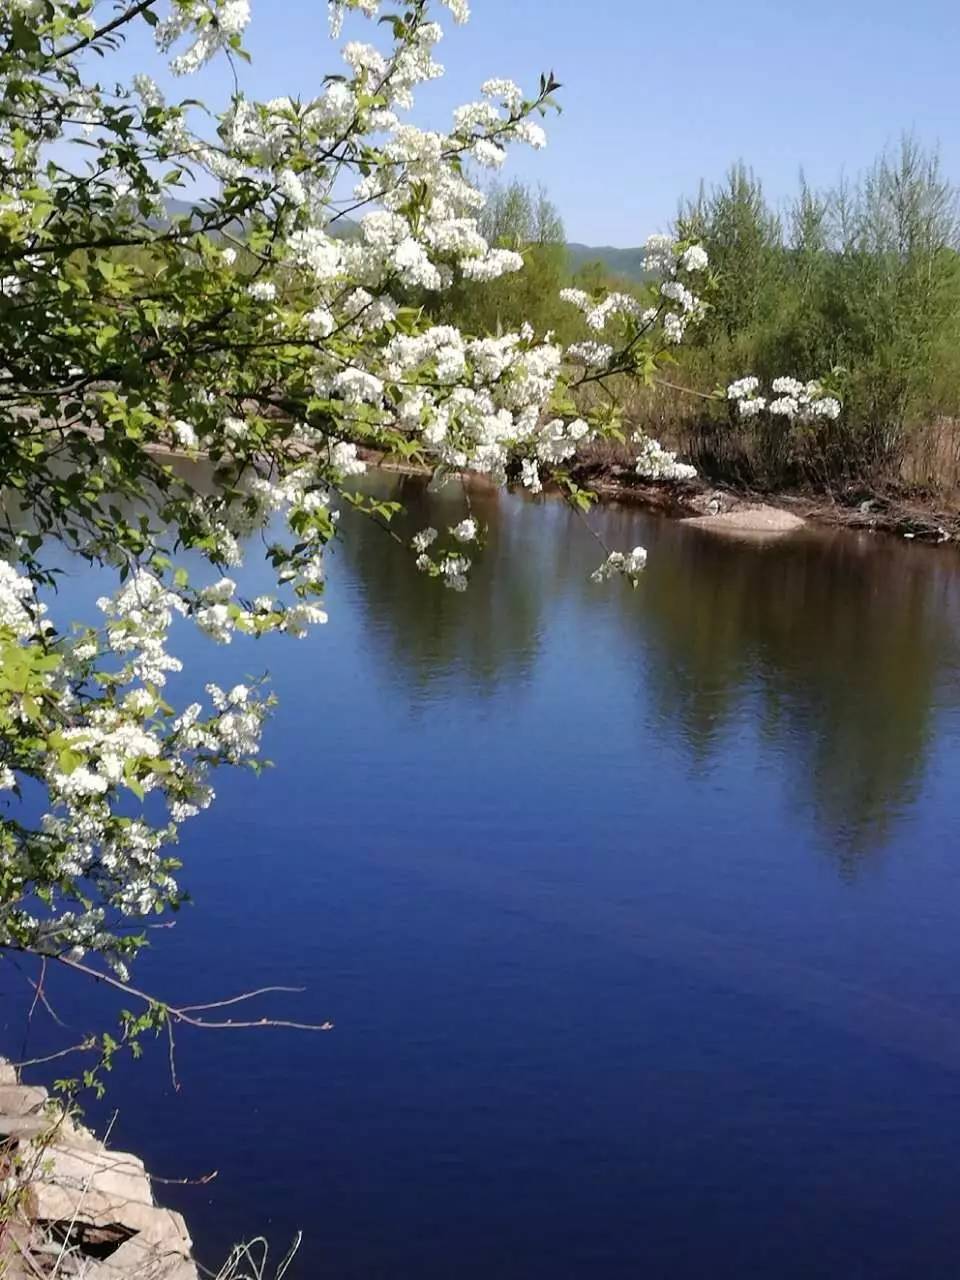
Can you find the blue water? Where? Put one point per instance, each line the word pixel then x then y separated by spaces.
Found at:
pixel 636 914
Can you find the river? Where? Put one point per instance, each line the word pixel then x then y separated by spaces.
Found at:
pixel 636 913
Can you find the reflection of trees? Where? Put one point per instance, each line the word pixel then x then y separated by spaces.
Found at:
pixel 836 646
pixel 490 632
pixel 835 650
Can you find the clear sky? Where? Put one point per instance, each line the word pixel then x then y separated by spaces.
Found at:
pixel 657 95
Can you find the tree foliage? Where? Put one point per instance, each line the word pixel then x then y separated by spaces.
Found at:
pixel 863 279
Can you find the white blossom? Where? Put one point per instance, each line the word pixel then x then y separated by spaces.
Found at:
pixel 630 564
pixel 184 433
pixel 694 259
pixel 656 463
pixel 530 475
pixel 595 354
pixel 742 388
pixel 453 572
pixel 793 400
pixel 343 457
pixel 420 541
pixel 291 187
pixel 465 531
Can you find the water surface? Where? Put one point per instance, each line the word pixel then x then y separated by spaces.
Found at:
pixel 636 912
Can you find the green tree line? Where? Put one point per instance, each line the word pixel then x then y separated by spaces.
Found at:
pixel 859 282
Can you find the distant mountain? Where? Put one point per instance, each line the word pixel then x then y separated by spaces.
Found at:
pixel 627 263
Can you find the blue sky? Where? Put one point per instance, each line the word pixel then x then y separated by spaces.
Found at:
pixel 657 96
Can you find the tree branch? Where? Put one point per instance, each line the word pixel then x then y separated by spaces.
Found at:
pixel 120 20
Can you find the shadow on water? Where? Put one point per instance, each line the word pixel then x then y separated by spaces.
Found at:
pixel 840 649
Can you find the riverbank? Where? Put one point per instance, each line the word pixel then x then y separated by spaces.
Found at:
pixel 903 516
pixel 729 509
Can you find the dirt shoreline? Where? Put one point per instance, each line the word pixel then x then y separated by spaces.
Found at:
pixel 901 517
pixel 706 505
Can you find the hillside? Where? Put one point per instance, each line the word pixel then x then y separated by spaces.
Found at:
pixel 627 263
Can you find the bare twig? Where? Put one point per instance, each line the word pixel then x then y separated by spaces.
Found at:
pixel 40 996
pixel 687 391
pixel 83 1047
pixel 120 20
pixel 184 1015
pixel 247 995
pixel 173 1059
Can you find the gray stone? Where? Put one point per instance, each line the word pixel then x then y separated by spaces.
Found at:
pixel 24 1128
pixel 39 1125
pixel 160 1249
pixel 21 1099
pixel 115 1174
pixel 131 1262
pixel 755 522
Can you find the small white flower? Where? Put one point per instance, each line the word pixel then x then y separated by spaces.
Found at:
pixel 454 572
pixel 695 258
pixel 742 388
pixel 420 541
pixel 656 463
pixel 184 433
pixel 630 565
pixel 291 187
pixel 465 531
pixel 530 475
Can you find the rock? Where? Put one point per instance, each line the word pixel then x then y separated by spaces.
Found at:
pixel 118 1176
pixel 64 1130
pixel 81 1202
pixel 160 1250
pixel 710 502
pixel 141 1264
pixel 24 1128
pixel 14 1251
pixel 755 523
pixel 71 1133
pixel 21 1099
pixel 51 1203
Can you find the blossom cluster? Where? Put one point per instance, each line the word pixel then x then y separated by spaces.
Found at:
pixel 676 307
pixel 97 737
pixel 654 462
pixel 790 399
pixel 628 564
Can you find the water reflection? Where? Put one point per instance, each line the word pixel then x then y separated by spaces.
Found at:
pixel 837 650
pixel 837 653
pixel 492 632
pixel 552 856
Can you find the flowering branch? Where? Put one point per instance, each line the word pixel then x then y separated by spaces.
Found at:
pixel 246 332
